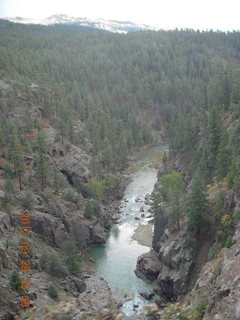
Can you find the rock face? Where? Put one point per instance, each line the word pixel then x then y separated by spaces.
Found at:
pixel 176 264
pixel 160 223
pixel 4 223
pixel 4 258
pixel 5 227
pixel 49 228
pixel 54 231
pixel 170 262
pixel 74 163
pixel 148 266
pixel 218 285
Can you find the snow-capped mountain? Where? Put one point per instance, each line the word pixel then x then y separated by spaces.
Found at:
pixel 108 25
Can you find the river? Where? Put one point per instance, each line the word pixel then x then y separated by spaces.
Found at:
pixel 116 260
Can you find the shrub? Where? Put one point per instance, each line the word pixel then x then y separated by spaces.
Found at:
pixel 236 215
pixel 221 236
pixel 92 208
pixel 15 281
pixel 51 264
pixel 9 190
pixel 71 257
pixel 189 242
pixel 214 250
pixel 229 242
pixel 97 189
pixel 201 309
pixel 55 210
pixel 57 138
pixel 52 291
pixel 58 180
pixel 28 201
pixel 71 195
pixel 110 181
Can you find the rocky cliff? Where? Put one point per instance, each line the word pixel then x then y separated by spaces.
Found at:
pixel 169 264
pixel 218 284
pixel 181 270
pixel 55 216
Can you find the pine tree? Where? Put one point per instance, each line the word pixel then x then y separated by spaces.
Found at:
pixel 41 145
pixel 215 135
pixel 108 156
pixel 172 189
pixel 52 291
pixel 9 189
pixel 71 257
pixel 16 155
pixel 15 281
pixel 198 206
pixel 223 157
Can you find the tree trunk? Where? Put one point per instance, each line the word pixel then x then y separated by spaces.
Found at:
pixel 20 181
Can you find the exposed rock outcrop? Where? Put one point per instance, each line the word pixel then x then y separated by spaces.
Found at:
pixel 74 163
pixel 50 229
pixel 54 230
pixel 148 266
pixel 160 223
pixel 4 258
pixel 4 223
pixel 218 285
pixel 98 235
pixel 170 263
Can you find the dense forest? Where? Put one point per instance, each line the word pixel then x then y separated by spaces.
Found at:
pixel 108 81
pixel 110 94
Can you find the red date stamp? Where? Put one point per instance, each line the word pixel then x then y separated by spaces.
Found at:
pixel 25 263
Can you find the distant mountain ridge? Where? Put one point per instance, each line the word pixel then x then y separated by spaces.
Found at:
pixel 108 25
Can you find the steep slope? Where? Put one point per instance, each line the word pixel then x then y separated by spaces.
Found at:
pixel 75 103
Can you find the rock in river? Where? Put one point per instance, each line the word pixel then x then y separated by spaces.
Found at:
pixel 148 266
pixel 147 295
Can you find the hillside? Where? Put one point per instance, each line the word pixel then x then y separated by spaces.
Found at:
pixel 76 103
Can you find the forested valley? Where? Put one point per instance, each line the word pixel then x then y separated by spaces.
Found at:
pixel 77 103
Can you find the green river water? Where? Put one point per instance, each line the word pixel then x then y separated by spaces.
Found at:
pixel 116 260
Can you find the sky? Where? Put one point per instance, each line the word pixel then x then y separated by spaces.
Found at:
pixel 164 14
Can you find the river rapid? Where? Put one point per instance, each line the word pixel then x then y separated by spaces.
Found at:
pixel 116 260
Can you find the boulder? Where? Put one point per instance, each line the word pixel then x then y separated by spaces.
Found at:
pixel 98 235
pixel 148 266
pixel 147 295
pixel 79 284
pixel 116 217
pixel 147 199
